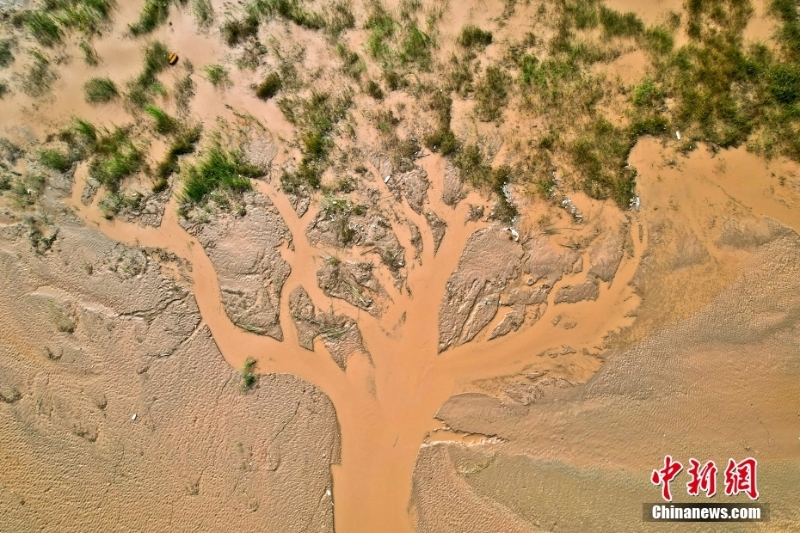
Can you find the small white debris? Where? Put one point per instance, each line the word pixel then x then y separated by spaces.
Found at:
pixel 133 417
pixel 328 492
pixel 387 178
pixel 514 233
pixel 678 135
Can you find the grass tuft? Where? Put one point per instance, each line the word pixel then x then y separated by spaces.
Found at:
pixel 472 36
pixel 165 124
pixel 249 378
pixel 6 56
pixel 98 90
pixel 269 87
pixel 218 170
pixel 217 75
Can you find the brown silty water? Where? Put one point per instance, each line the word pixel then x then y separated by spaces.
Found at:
pixel 385 404
pixel 386 401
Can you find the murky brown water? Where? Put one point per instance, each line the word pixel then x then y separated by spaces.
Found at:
pixel 386 405
pixel 385 409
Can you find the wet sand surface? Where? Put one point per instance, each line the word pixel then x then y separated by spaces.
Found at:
pixel 500 382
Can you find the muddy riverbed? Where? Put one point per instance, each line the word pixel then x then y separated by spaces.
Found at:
pixel 393 349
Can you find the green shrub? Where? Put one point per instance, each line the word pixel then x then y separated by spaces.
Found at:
pixel 43 28
pixel 381 27
pixel 3 89
pixel 153 14
pixel 340 18
pixel 617 24
pixel 249 378
pixel 415 47
pixel 473 37
pixel 114 157
pixel 269 87
pixel 374 90
pixel 56 160
pixel 6 57
pixel 600 154
pixel 218 170
pixel 293 10
pixel 203 12
pixel 99 90
pixel 183 142
pixel 235 31
pixel 491 94
pixel 353 66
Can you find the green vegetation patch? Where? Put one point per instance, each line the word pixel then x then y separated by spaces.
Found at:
pixel 472 36
pixel 442 139
pixel 600 154
pixel 269 87
pixel 48 23
pixel 113 157
pixel 403 44
pixel 297 12
pixel 491 94
pixel 39 78
pixel 164 124
pixel 6 55
pixel 476 170
pixel 184 142
pixel 217 171
pixel 98 90
pixel 154 13
pixel 316 118
pixel 235 31
pixel 217 75
pixel 142 89
pixel 249 378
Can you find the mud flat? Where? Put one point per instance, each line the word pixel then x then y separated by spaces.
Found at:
pixel 402 267
pixel 707 371
pixel 111 382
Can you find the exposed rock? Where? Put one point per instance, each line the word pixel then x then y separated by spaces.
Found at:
pixel 416 239
pixel 482 313
pixel 522 296
pixel 259 152
pixel 475 213
pixel 67 401
pixel 413 185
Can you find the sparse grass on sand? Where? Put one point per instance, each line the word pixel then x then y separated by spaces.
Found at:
pixel 249 378
pixel 98 90
pixel 217 75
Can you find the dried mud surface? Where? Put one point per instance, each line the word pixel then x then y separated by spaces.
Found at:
pixel 117 411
